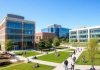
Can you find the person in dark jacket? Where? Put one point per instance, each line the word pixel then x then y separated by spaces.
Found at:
pixel 66 64
pixel 92 68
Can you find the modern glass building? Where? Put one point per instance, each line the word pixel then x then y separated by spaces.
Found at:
pixel 84 34
pixel 58 30
pixel 20 31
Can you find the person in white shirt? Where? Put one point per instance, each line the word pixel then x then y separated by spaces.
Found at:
pixel 72 65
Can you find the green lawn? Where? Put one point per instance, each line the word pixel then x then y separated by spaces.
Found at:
pixel 27 66
pixel 53 58
pixel 97 60
pixel 29 53
pixel 70 49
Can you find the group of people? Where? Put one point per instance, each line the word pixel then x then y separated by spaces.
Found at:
pixel 72 63
pixel 73 59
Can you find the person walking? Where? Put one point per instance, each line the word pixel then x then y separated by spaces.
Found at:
pixel 72 65
pixel 74 52
pixel 74 59
pixel 66 64
pixel 92 68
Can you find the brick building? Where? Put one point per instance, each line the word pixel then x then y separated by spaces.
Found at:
pixel 44 36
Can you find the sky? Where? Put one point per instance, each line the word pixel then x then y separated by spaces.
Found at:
pixel 68 13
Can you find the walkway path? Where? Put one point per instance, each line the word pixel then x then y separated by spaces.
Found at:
pixel 61 66
pixel 86 67
pixel 44 62
pixel 18 57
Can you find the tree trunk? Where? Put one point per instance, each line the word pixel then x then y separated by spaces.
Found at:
pixel 92 61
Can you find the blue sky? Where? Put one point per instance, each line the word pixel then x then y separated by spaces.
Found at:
pixel 68 13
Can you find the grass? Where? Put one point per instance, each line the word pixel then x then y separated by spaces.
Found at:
pixel 96 62
pixel 29 53
pixel 27 66
pixel 70 49
pixel 53 58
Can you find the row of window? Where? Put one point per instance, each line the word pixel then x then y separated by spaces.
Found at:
pixel 83 31
pixel 83 36
pixel 19 37
pixel 86 31
pixel 95 36
pixel 18 25
pixel 72 36
pixel 86 36
pixel 73 32
pixel 95 30
pixel 19 31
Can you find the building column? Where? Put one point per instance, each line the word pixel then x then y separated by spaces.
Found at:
pixel 78 36
pixel 88 34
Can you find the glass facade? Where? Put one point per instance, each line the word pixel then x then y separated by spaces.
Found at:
pixel 20 33
pixel 59 31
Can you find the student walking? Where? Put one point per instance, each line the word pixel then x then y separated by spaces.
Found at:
pixel 74 59
pixel 92 68
pixel 66 64
pixel 72 65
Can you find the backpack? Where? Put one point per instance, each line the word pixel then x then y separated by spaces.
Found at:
pixel 74 58
pixel 66 62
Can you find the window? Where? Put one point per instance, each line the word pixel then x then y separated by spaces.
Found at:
pixel 12 24
pixel 28 26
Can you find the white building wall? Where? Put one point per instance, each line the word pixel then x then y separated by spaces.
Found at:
pixel 87 34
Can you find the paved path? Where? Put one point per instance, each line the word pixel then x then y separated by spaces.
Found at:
pixel 86 67
pixel 18 57
pixel 61 66
pixel 44 62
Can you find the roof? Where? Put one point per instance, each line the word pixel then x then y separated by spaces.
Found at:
pixel 85 28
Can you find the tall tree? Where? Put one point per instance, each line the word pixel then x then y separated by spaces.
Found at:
pixel 92 49
pixel 63 40
pixel 41 45
pixel 48 44
pixel 9 45
pixel 56 42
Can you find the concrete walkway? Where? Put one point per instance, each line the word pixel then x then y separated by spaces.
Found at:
pixel 44 62
pixel 86 67
pixel 62 67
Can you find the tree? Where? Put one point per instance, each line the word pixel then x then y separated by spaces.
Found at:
pixel 9 45
pixel 92 49
pixel 41 45
pixel 56 42
pixel 48 44
pixel 67 40
pixel 63 40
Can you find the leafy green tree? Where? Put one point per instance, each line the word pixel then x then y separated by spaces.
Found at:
pixel 48 44
pixel 56 42
pixel 67 40
pixel 63 40
pixel 41 45
pixel 9 45
pixel 92 49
